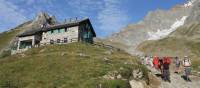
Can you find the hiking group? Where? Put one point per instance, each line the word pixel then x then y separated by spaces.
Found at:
pixel 162 64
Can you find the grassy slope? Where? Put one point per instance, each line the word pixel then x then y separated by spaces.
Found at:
pixel 63 66
pixel 6 38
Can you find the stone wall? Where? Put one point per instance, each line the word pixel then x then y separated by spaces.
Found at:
pixel 71 35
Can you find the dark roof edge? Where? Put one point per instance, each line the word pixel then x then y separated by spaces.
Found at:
pixel 59 26
pixel 91 26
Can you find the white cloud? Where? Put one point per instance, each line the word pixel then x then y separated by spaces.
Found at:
pixel 10 15
pixel 33 2
pixel 108 13
pixel 112 18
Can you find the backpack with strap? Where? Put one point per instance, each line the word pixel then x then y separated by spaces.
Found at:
pixel 187 62
pixel 166 60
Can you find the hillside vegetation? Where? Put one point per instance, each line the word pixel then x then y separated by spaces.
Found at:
pixel 74 65
pixel 7 37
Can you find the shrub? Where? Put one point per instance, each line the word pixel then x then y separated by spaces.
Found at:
pixel 5 53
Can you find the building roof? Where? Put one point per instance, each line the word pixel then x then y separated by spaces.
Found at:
pixel 30 32
pixel 52 27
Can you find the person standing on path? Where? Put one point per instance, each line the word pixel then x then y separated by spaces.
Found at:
pixel 166 72
pixel 156 62
pixel 161 65
pixel 177 64
pixel 151 61
pixel 187 66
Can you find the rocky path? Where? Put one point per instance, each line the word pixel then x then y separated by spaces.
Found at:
pixel 177 81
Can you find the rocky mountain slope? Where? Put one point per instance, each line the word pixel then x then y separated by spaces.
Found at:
pixel 183 41
pixel 156 25
pixel 183 37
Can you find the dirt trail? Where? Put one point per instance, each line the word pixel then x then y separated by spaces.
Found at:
pixel 176 80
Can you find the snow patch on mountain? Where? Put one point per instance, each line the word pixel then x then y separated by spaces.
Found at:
pixel 189 3
pixel 164 33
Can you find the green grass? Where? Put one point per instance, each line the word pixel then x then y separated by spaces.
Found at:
pixel 195 47
pixel 6 38
pixel 62 66
pixel 166 47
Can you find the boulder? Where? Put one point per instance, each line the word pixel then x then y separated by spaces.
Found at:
pixel 137 74
pixel 136 84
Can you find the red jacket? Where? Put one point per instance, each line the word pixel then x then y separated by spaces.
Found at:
pixel 156 62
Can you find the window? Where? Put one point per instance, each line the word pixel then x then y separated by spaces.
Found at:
pixel 62 30
pixel 59 31
pixel 51 42
pixel 58 40
pixel 52 31
pixel 49 32
pixel 65 40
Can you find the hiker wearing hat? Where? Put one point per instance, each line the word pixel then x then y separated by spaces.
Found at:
pixel 187 66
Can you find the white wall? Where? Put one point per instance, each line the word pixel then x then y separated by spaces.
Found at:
pixel 72 33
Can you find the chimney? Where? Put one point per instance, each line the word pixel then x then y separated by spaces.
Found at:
pixel 70 20
pixel 65 21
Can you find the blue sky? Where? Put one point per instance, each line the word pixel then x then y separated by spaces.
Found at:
pixel 107 16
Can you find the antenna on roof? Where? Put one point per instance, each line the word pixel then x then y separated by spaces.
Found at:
pixel 70 20
pixel 76 18
pixel 65 21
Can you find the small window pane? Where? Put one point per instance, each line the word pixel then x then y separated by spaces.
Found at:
pixel 59 31
pixel 51 42
pixel 58 40
pixel 65 40
pixel 52 31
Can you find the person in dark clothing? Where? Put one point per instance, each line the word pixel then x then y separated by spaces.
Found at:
pixel 166 72
pixel 161 66
pixel 177 64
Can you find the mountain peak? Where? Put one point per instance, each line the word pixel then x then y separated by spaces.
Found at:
pixel 190 3
pixel 44 18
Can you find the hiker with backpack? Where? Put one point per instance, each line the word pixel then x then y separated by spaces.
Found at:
pixel 166 72
pixel 187 66
pixel 147 60
pixel 161 66
pixel 156 62
pixel 177 64
pixel 151 61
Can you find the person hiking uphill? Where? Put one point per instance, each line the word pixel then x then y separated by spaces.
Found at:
pixel 166 72
pixel 151 61
pixel 177 64
pixel 148 60
pixel 161 66
pixel 187 67
pixel 156 62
